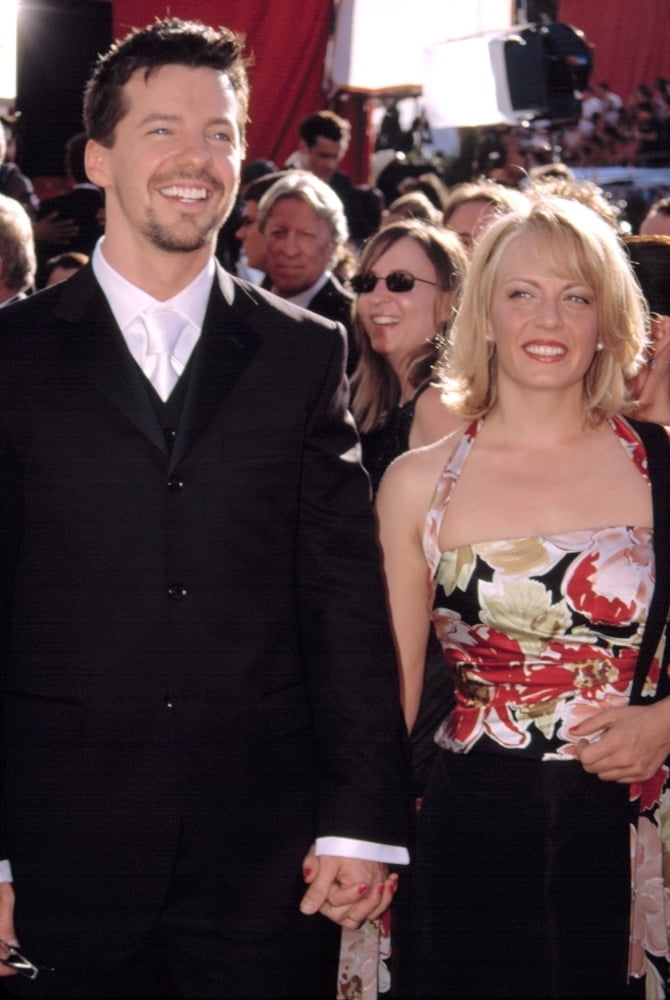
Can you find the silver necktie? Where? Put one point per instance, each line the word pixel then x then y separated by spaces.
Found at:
pixel 164 327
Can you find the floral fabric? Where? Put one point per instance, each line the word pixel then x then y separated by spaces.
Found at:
pixel 539 633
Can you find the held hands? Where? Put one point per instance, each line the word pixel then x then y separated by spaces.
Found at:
pixel 634 742
pixel 346 890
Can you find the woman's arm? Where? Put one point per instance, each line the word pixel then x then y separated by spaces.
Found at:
pixel 402 503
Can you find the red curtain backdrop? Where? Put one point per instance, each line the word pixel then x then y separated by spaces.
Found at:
pixel 629 39
pixel 287 40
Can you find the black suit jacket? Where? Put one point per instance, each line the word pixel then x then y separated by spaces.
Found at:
pixel 334 302
pixel 195 637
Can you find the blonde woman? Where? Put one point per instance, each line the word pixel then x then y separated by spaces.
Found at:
pixel 535 541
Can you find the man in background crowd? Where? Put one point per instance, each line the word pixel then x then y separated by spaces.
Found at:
pixel 17 251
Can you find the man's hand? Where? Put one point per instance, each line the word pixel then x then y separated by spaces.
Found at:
pixel 346 890
pixel 7 932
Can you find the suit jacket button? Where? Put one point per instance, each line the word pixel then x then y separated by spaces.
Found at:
pixel 175 484
pixel 177 592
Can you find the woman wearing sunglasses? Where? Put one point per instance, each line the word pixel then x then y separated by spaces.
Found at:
pixel 535 542
pixel 408 276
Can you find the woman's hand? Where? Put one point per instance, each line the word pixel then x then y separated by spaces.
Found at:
pixel 634 742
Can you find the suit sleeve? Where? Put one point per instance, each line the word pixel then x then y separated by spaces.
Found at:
pixel 345 632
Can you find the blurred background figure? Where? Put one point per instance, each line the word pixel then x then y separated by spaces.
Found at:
pixel 13 182
pixel 650 257
pixel 657 220
pixel 409 277
pixel 63 266
pixel 303 223
pixel 409 274
pixel 414 205
pixel 17 251
pixel 324 140
pixel 84 204
pixel 471 207
pixel 251 263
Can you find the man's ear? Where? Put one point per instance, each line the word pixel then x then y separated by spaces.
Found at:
pixel 95 159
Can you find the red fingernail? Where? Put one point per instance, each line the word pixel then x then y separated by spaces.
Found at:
pixel 306 872
pixel 380 888
pixel 362 889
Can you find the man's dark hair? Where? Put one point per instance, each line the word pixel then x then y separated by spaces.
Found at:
pixel 168 42
pixel 325 123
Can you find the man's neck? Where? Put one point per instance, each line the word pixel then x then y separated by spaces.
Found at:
pixel 159 273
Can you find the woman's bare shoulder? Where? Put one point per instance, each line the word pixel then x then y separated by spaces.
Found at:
pixel 411 478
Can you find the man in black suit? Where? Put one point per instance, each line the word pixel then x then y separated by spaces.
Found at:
pixel 305 229
pixel 199 687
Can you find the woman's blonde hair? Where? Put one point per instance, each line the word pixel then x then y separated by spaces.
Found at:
pixel 375 386
pixel 573 241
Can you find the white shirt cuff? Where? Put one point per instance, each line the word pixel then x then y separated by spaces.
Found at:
pixel 345 847
pixel 5 872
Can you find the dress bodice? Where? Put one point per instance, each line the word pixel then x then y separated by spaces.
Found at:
pixel 538 632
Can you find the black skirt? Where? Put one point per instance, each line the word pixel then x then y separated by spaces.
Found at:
pixel 520 885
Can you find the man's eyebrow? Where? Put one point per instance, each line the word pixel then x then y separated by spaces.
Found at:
pixel 159 116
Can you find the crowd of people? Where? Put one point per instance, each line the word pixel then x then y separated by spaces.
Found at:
pixel 335 556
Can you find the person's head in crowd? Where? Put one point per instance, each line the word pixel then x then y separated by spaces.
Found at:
pixel 9 138
pixel 63 266
pixel 17 250
pixel 324 139
pixel 303 223
pixel 368 202
pixel 254 170
pixel 572 189
pixel 650 259
pixel 75 158
pixel 408 276
pixel 249 235
pixel 472 206
pixel 657 220
pixel 555 170
pixel 570 241
pixel 428 184
pixel 414 205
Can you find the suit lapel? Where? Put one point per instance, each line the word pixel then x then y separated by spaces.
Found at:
pixel 96 346
pixel 227 344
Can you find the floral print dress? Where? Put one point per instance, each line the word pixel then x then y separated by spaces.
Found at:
pixel 539 633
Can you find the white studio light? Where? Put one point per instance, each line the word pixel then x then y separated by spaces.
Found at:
pixel 8 13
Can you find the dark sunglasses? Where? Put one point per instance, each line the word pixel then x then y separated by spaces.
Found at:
pixel 396 281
